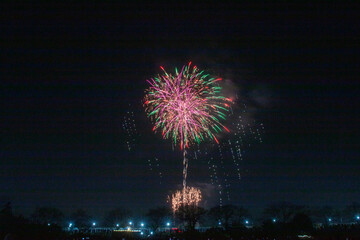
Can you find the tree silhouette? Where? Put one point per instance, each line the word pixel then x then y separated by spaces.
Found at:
pixel 352 211
pixel 283 211
pixel 190 215
pixel 6 211
pixel 323 214
pixel 117 216
pixel 228 215
pixel 80 218
pixel 46 215
pixel 157 217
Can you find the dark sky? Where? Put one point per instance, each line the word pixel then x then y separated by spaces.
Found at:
pixel 69 72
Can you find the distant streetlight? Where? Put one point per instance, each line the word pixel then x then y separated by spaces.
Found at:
pixel 142 233
pixel 167 224
pixel 70 225
pixel 246 222
pixel 151 233
pixel 117 225
pixel 329 219
pixel 130 223
pixel 219 223
pixel 142 224
pixel 49 224
pixel 274 220
pixel 94 224
pixel 357 217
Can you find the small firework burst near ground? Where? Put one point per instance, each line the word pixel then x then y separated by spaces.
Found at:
pixel 188 196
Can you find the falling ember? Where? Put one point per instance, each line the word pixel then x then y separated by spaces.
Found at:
pixel 188 196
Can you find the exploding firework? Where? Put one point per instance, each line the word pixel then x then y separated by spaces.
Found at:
pixel 187 106
pixel 189 196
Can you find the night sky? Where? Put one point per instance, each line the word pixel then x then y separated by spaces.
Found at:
pixel 70 73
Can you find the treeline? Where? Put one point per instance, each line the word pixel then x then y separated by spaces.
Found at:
pixel 278 220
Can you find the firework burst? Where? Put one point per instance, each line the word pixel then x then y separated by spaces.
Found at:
pixel 189 196
pixel 186 106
